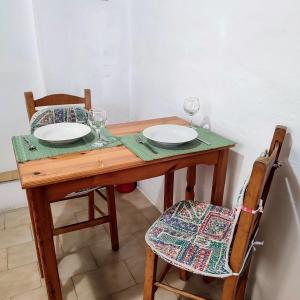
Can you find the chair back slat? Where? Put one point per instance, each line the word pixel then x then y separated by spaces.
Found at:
pixel 258 188
pixel 56 99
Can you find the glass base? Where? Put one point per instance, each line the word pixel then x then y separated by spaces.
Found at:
pixel 100 143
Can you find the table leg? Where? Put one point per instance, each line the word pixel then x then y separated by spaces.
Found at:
pixel 113 225
pixel 190 183
pixel 91 201
pixel 219 178
pixel 189 195
pixel 169 190
pixel 34 229
pixel 42 216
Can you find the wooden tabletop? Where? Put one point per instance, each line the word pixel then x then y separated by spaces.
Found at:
pixel 85 164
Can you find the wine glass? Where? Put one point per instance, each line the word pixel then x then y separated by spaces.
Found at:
pixel 97 119
pixel 191 106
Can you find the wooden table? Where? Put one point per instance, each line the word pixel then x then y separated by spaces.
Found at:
pixel 50 179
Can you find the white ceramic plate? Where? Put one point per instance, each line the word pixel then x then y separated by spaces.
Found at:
pixel 62 133
pixel 170 135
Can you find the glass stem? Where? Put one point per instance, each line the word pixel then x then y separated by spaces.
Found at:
pixel 191 123
pixel 98 135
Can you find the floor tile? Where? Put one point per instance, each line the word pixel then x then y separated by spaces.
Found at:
pixel 58 248
pixel 64 219
pixel 14 236
pixel 196 285
pixel 101 203
pixel 20 255
pixel 3 260
pixel 124 235
pixel 68 292
pixel 136 266
pixel 19 280
pixel 76 263
pixel 102 282
pixel 37 294
pixel 138 236
pixel 75 240
pixel 83 215
pixel 137 199
pixel 57 245
pixel 130 223
pixel 2 221
pixel 17 217
pixel 151 213
pixel 80 253
pixel 136 293
pixel 166 295
pixel 124 206
pixel 70 206
pixel 132 293
pixel 129 247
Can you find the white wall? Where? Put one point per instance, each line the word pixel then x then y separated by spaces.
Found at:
pixel 19 71
pixel 243 60
pixel 60 46
pixel 85 44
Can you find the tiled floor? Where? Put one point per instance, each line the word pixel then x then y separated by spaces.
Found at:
pixel 88 268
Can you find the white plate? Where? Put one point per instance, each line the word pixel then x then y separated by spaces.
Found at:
pixel 62 133
pixel 170 135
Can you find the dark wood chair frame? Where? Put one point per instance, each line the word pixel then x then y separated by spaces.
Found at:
pixel 111 218
pixel 257 190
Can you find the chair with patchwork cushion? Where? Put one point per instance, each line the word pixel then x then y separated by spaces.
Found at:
pixel 57 108
pixel 212 240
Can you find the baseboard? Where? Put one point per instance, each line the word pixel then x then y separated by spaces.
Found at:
pixel 9 176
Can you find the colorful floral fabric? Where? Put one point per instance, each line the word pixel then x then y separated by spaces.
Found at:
pixel 195 236
pixel 58 114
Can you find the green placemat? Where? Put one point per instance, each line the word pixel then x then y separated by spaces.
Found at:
pixel 44 150
pixel 145 154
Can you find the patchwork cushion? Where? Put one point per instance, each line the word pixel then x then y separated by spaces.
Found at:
pixel 58 114
pixel 195 236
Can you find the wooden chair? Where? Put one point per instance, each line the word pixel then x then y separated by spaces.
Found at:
pixel 244 232
pixel 63 99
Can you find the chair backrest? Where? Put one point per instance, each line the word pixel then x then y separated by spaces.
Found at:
pixel 257 190
pixel 56 99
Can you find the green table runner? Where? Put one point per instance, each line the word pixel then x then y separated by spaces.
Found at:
pixel 145 154
pixel 44 149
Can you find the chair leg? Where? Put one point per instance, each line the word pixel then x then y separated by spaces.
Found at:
pixel 113 225
pixel 242 284
pixel 150 274
pixel 229 288
pixel 91 205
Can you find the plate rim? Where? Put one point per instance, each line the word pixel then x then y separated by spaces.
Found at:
pixel 170 143
pixel 35 133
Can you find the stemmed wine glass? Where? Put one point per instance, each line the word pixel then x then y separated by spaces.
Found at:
pixel 191 106
pixel 97 119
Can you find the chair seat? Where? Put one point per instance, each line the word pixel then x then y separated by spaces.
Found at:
pixel 195 236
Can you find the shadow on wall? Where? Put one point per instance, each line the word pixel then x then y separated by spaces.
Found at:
pixel 235 162
pixel 205 175
pixel 280 229
pixel 203 186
